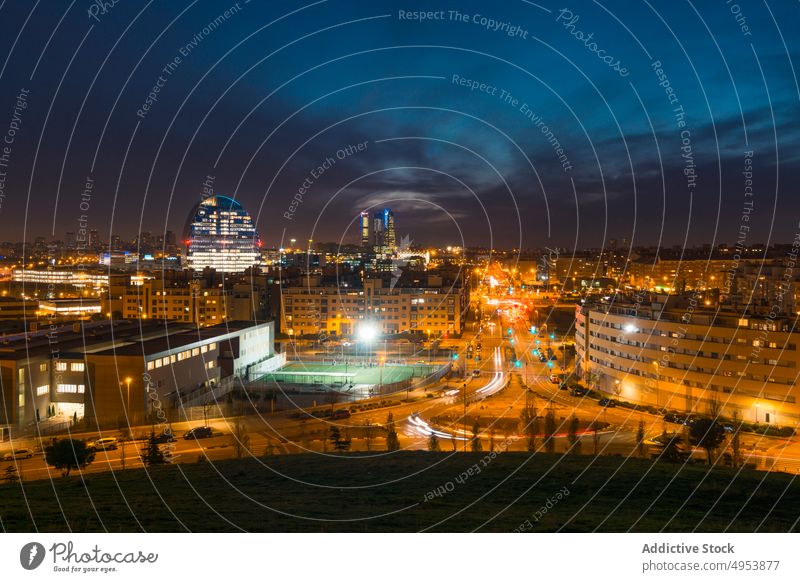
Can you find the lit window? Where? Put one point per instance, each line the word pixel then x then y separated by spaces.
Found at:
pixel 43 367
pixel 150 365
pixel 158 363
pixel 196 351
pixel 61 366
pixel 69 388
pixel 42 390
pixel 203 349
pixel 76 366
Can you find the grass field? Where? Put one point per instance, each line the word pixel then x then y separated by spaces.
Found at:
pixel 316 373
pixel 245 495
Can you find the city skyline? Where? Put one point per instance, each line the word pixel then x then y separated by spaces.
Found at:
pixel 624 161
pixel 323 266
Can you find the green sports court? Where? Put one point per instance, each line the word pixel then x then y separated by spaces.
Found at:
pixel 339 373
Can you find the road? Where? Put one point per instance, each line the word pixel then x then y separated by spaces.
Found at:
pixel 493 398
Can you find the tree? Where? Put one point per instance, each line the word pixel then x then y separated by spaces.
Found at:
pixel 736 444
pixel 530 421
pixel 640 439
pixel 241 439
pixel 550 431
pixel 11 475
pixel 572 435
pixel 707 433
pixel 476 439
pixel 392 442
pixel 672 448
pixel 433 443
pixel 68 454
pixel 369 433
pixel 339 443
pixel 151 454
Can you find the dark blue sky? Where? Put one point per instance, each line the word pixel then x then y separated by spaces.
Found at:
pixel 263 95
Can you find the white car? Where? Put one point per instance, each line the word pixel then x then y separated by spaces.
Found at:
pixel 104 444
pixel 18 454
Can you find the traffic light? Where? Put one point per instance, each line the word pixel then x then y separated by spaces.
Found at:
pixel 455 356
pixel 517 364
pixel 549 364
pixel 533 329
pixel 510 331
pixel 552 336
pixel 538 342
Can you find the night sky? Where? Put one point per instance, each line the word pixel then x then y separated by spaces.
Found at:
pixel 260 96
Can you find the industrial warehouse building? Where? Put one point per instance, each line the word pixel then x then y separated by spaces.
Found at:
pixel 109 373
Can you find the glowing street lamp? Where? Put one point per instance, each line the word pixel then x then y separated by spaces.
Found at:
pixel 655 363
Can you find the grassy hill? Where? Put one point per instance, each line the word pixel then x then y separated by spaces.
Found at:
pixel 388 493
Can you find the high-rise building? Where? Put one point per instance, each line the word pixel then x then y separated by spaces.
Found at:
pixel 384 237
pixel 221 235
pixel 94 240
pixel 378 232
pixel 390 238
pixel 363 223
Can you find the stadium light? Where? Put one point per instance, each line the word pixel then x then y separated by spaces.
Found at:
pixel 367 332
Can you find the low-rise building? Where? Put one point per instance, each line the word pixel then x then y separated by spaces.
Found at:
pixel 111 373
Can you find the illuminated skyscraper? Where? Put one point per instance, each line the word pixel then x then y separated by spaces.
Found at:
pixel 378 232
pixel 384 237
pixel 221 235
pixel 390 237
pixel 364 226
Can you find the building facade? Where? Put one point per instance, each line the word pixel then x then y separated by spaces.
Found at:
pixel 110 374
pixel 435 309
pixel 221 235
pixel 692 359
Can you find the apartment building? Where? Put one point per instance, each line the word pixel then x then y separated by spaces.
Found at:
pixel 670 274
pixel 435 310
pixel 683 356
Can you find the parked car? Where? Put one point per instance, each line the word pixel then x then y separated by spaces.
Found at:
pixel 104 444
pixel 341 413
pixel 476 373
pixel 578 391
pixel 607 402
pixel 685 419
pixel 555 379
pixel 563 386
pixel 18 454
pixel 164 437
pixel 198 432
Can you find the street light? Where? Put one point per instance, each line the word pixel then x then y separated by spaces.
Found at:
pixel 655 363
pixel 128 381
pixel 367 332
pixel 430 355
